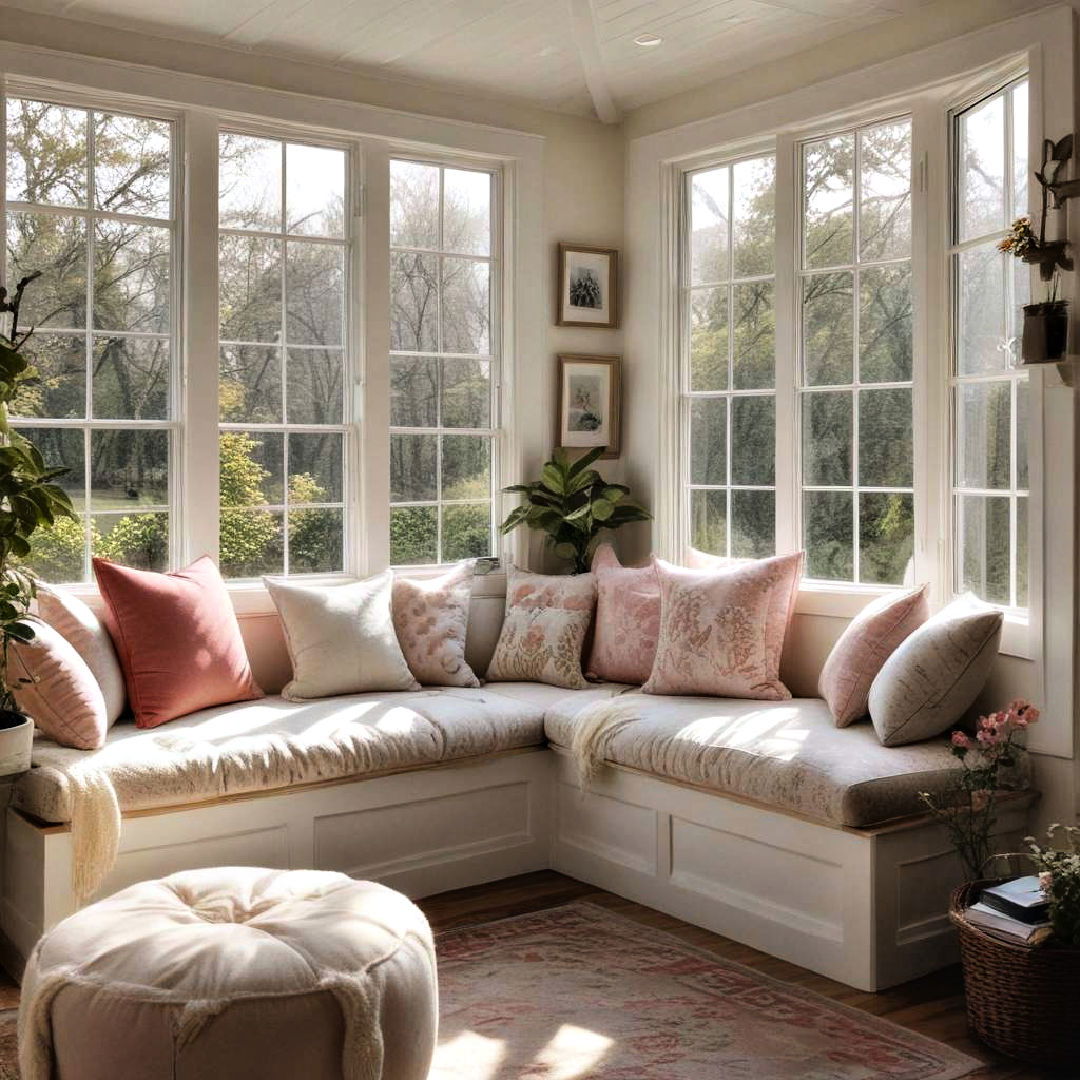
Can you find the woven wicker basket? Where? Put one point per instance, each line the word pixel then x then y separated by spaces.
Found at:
pixel 1022 1001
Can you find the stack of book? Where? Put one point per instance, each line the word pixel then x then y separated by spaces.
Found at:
pixel 1016 911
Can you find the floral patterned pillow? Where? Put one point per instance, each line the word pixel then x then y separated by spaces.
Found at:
pixel 627 619
pixel 722 632
pixel 430 618
pixel 544 629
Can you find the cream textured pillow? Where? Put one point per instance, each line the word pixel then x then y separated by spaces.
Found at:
pixel 431 616
pixel 936 674
pixel 722 631
pixel 543 632
pixel 341 638
pixel 862 649
pixel 87 634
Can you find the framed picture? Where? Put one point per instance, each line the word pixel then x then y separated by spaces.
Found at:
pixel 588 287
pixel 589 403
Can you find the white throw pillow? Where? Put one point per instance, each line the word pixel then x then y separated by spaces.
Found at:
pixel 341 638
pixel 936 673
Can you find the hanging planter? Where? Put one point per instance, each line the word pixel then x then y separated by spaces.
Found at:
pixel 1046 332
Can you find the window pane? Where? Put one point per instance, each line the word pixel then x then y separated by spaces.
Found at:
pixel 57 247
pixel 466 531
pixel 708 521
pixel 885 210
pixel 980 344
pixel 886 538
pixel 46 153
pixel 414 535
pixel 314 192
pixel 139 540
pixel 251 543
pixel 249 284
pixel 755 216
pixel 885 442
pixel 315 293
pixel 753 363
pixel 466 467
pixel 249 384
pixel 885 324
pixel 131 277
pixel 753 440
pixel 58 552
pixel 827 529
pixel 315 464
pixel 1019 149
pixel 983 435
pixel 1022 555
pixel 315 384
pixel 708 441
pixel 466 306
pixel 466 212
pixel 828 329
pixel 414 311
pixel 131 378
pixel 251 468
pixel 982 167
pixel 709 339
pixel 62 448
pixel 753 524
pixel 414 391
pixel 413 468
pixel 1022 434
pixel 60 360
pixel 466 393
pixel 249 183
pixel 414 205
pixel 132 165
pixel 316 541
pixel 709 226
pixel 984 546
pixel 826 438
pixel 828 177
pixel 128 468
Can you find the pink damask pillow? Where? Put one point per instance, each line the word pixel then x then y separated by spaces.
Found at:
pixel 862 649
pixel 544 629
pixel 430 618
pixel 722 632
pixel 627 619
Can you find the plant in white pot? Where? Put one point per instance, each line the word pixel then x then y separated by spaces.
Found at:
pixel 29 500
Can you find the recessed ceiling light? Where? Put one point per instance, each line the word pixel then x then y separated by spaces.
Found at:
pixel 648 41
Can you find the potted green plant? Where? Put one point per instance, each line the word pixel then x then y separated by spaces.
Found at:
pixel 573 505
pixel 1046 323
pixel 29 500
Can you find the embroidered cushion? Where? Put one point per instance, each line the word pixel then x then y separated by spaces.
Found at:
pixel 177 638
pixel 78 623
pixel 543 631
pixel 627 619
pixel 431 617
pixel 862 649
pixel 935 675
pixel 340 638
pixel 722 632
pixel 54 687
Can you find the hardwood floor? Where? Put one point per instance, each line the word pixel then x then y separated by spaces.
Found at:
pixel 933 1006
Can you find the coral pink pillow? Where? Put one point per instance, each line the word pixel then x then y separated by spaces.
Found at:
pixel 55 688
pixel 177 639
pixel 722 632
pixel 627 619
pixel 862 649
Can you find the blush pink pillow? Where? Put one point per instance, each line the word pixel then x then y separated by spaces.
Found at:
pixel 862 649
pixel 177 639
pixel 627 619
pixel 722 632
pixel 54 687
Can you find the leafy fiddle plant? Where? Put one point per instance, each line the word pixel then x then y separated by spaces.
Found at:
pixel 573 504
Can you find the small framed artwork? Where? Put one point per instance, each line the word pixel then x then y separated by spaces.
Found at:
pixel 588 288
pixel 589 403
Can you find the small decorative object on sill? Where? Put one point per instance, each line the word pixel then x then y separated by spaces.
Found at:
pixel 574 506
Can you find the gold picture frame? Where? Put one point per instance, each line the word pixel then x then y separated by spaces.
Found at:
pixel 587 289
pixel 589 403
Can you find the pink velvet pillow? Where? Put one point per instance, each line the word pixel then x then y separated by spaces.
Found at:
pixel 722 632
pixel 177 639
pixel 862 649
pixel 54 687
pixel 627 619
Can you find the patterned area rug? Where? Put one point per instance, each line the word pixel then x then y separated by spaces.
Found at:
pixel 577 991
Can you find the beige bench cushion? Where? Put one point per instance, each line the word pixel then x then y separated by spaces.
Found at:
pixel 786 754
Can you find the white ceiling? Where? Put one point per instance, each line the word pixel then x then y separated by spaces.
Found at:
pixel 550 53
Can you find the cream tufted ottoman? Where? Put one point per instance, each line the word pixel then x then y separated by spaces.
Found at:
pixel 234 974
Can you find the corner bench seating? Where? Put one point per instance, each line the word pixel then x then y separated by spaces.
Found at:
pixel 760 820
